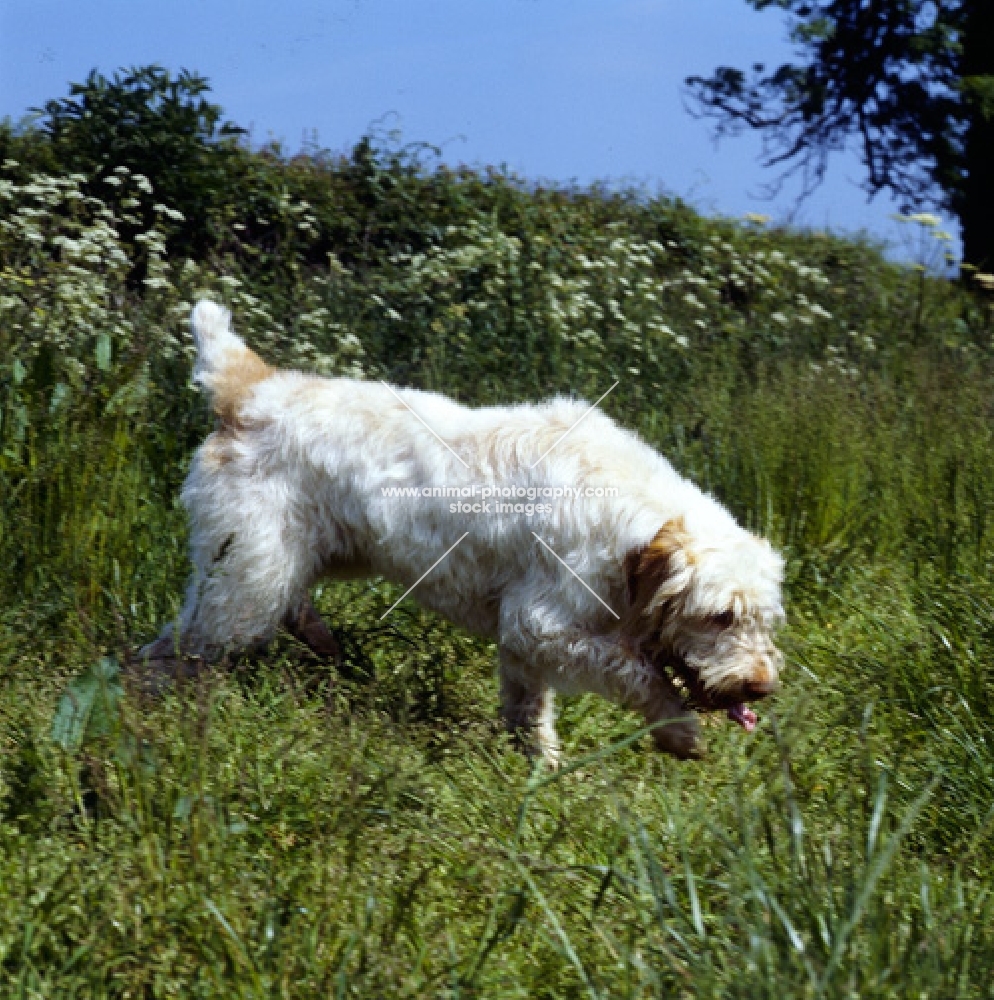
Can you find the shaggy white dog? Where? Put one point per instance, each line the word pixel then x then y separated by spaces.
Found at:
pixel 548 528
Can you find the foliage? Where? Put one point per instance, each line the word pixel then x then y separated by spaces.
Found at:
pixel 275 828
pixel 911 81
pixel 88 708
pixel 156 125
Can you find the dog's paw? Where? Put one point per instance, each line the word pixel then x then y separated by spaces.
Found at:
pixel 537 745
pixel 158 665
pixel 551 754
pixel 681 738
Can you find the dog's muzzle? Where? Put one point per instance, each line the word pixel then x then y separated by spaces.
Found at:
pixel 732 701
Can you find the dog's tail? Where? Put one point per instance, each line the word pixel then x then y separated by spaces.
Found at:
pixel 224 366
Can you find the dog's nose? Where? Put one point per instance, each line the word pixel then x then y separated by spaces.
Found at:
pixel 756 689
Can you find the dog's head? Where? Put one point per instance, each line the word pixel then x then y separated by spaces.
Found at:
pixel 704 605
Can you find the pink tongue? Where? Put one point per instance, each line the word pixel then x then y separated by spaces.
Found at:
pixel 744 716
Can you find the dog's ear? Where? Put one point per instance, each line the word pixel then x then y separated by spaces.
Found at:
pixel 660 570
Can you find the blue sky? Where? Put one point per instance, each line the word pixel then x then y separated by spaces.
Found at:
pixel 561 90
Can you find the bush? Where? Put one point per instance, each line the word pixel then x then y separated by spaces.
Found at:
pixel 156 125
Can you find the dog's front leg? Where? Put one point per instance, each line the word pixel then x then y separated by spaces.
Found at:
pixel 307 626
pixel 542 654
pixel 610 667
pixel 529 709
pixel 677 729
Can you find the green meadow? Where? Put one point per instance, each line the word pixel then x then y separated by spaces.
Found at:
pixel 279 827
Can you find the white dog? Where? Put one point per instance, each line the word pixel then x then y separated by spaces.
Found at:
pixel 616 576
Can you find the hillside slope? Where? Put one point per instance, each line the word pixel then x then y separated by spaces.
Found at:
pixel 278 828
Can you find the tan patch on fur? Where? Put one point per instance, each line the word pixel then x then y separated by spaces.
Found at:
pixel 216 450
pixel 647 572
pixel 234 381
pixel 646 569
pixel 762 676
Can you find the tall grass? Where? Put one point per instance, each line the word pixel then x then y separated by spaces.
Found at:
pixel 277 828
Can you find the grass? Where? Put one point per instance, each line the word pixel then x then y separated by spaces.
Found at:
pixel 277 829
pixel 265 833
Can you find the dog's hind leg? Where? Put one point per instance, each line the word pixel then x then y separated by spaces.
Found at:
pixel 252 554
pixel 255 583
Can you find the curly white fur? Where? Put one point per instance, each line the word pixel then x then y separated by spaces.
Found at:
pixel 291 488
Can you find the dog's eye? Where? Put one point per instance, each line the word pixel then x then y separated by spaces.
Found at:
pixel 724 620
